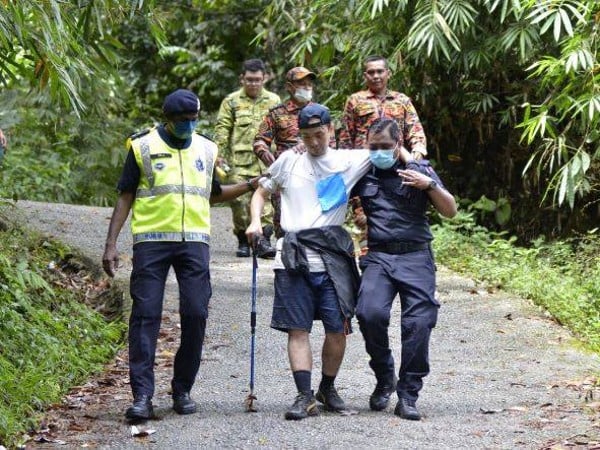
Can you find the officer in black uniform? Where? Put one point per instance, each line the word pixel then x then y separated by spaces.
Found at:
pixel 395 196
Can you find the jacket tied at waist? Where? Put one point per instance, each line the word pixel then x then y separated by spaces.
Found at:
pixel 336 248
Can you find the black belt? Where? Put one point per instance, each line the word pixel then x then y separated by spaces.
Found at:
pixel 397 248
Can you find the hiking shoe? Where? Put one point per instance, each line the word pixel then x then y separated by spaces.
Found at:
pixel 407 409
pixel 380 398
pixel 330 399
pixel 141 409
pixel 305 405
pixel 183 404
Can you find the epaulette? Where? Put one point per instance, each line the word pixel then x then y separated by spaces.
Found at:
pixel 205 136
pixel 139 134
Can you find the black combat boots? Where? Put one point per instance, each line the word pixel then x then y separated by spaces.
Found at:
pixel 243 250
pixel 380 398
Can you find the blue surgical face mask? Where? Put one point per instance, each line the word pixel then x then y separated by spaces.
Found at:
pixel 184 128
pixel 382 159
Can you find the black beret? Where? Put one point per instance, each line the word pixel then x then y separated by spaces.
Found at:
pixel 181 101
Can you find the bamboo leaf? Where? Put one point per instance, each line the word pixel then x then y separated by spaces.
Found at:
pixel 566 21
pixel 586 161
pixel 557 25
pixel 562 192
pixel 575 166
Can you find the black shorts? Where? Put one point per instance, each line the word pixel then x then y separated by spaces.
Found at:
pixel 301 298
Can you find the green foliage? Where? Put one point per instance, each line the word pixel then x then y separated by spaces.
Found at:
pixel 507 90
pixel 66 135
pixel 205 44
pixel 499 209
pixel 50 339
pixel 466 63
pixel 59 47
pixel 566 121
pixel 561 277
pixel 63 158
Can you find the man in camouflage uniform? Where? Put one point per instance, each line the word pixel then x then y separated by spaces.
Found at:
pixel 365 107
pixel 280 126
pixel 237 122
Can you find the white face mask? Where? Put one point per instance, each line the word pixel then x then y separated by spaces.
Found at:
pixel 303 95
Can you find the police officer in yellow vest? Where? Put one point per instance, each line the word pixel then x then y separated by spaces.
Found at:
pixel 168 182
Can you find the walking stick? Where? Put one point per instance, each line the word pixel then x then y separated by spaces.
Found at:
pixel 251 397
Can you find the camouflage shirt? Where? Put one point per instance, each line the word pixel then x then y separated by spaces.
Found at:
pixel 364 107
pixel 280 126
pixel 237 122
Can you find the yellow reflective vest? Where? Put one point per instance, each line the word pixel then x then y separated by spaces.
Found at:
pixel 172 199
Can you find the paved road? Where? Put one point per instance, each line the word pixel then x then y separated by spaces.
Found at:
pixel 504 376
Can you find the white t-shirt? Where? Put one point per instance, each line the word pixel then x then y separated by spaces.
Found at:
pixel 296 176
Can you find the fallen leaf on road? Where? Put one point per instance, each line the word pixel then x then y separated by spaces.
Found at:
pixel 141 432
pixel 490 411
pixel 45 439
pixel 518 408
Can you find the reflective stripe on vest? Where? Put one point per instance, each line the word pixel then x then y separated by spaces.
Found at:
pixel 171 237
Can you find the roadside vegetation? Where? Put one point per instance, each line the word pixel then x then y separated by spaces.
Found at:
pixel 52 336
pixel 563 277
pixel 507 92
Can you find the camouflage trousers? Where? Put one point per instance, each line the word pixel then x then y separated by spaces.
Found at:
pixel 358 232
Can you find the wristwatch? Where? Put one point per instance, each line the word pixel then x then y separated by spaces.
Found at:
pixel 432 185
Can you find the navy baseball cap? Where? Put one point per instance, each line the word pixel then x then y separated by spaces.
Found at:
pixel 181 101
pixel 312 111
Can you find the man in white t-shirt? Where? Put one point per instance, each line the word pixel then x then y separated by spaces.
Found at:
pixel 315 272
